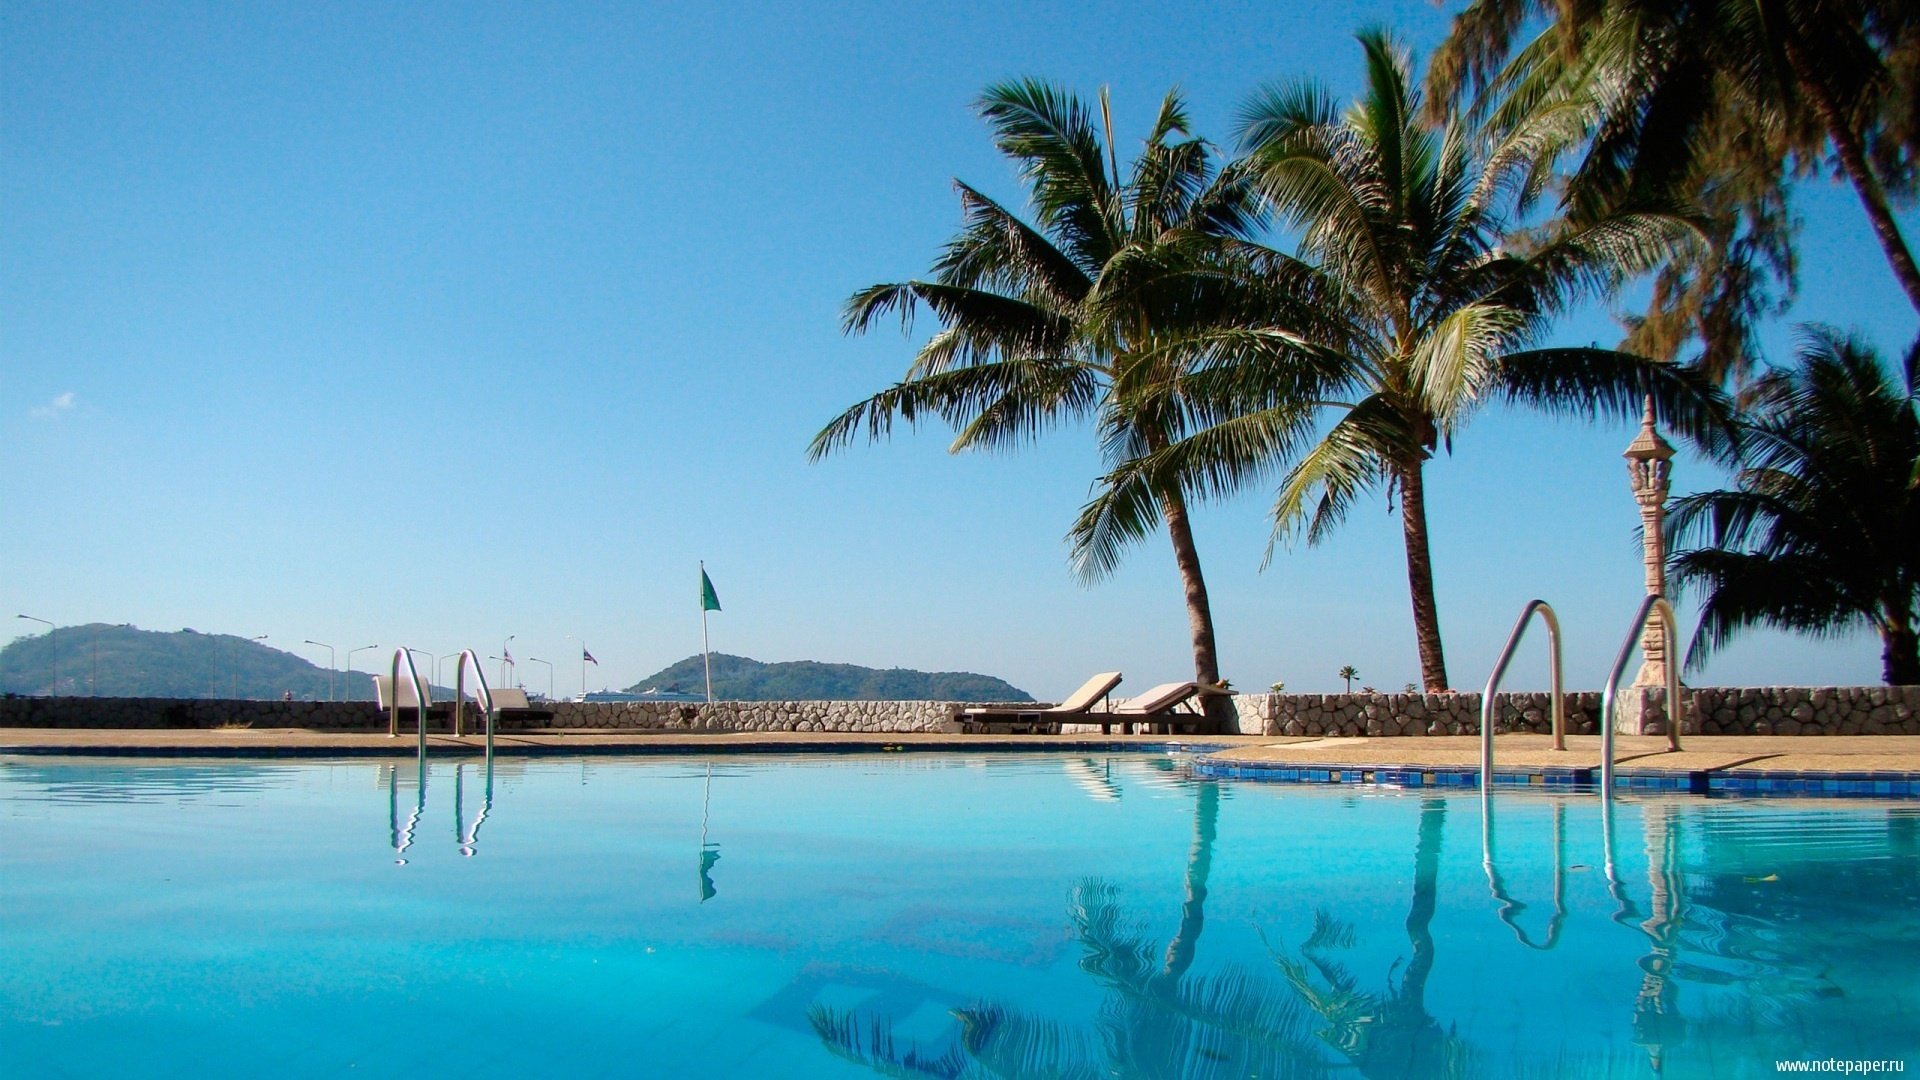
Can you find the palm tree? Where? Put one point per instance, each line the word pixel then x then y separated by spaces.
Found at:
pixel 1040 321
pixel 1349 673
pixel 1821 532
pixel 1410 306
pixel 1720 99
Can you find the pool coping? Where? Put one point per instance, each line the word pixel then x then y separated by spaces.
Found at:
pixel 1856 783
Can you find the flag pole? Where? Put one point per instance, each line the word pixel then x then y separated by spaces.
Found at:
pixel 706 651
pixel 583 671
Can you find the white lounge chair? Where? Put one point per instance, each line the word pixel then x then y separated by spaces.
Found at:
pixel 383 689
pixel 1072 710
pixel 1158 707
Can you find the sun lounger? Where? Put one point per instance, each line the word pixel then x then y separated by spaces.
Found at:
pixel 383 689
pixel 1159 707
pixel 1072 710
pixel 512 704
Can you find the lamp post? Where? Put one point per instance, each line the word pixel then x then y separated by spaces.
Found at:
pixel 1650 471
pixel 53 646
pixel 505 658
pixel 583 665
pixel 348 689
pixel 437 675
pixel 549 663
pixel 330 671
pixel 213 674
pixel 425 653
pixel 236 667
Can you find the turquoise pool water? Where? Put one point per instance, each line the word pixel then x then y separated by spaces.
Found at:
pixel 920 914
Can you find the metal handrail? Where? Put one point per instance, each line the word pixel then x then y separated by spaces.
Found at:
pixel 1669 625
pixel 1500 670
pixel 467 836
pixel 420 697
pixel 480 691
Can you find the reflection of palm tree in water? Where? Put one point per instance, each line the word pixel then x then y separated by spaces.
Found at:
pixel 1389 1034
pixel 1157 1019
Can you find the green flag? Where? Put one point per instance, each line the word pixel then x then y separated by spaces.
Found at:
pixel 709 600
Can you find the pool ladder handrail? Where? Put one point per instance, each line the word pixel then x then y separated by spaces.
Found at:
pixel 1556 681
pixel 482 694
pixel 421 696
pixel 1654 604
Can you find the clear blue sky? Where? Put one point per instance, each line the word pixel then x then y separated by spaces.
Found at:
pixel 431 324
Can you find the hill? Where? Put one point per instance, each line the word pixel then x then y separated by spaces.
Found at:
pixel 739 678
pixel 125 661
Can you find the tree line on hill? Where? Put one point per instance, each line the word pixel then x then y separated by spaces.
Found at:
pixel 739 678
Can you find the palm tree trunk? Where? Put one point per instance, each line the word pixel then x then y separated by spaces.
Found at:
pixel 1900 651
pixel 1206 659
pixel 1853 158
pixel 1426 613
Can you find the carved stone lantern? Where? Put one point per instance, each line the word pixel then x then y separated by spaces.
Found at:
pixel 1650 468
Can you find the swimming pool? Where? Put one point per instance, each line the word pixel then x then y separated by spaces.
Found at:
pixel 954 914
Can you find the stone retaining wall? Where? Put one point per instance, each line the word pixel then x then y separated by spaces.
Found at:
pixel 750 715
pixel 1751 710
pixel 1769 710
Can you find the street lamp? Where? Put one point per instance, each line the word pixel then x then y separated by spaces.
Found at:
pixel 213 690
pixel 349 679
pixel 549 663
pixel 505 658
pixel 236 667
pixel 421 652
pixel 330 671
pixel 53 646
pixel 438 677
pixel 583 665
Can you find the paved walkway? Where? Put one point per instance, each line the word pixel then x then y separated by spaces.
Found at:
pixel 1703 753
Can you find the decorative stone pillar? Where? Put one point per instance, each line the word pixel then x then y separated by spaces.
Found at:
pixel 1650 469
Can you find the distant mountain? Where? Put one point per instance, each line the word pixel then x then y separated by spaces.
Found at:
pixel 125 661
pixel 738 678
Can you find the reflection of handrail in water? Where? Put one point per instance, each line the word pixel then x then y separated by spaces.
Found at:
pixel 399 836
pixel 468 836
pixel 1510 908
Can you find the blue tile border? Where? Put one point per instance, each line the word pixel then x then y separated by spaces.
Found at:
pixel 1871 785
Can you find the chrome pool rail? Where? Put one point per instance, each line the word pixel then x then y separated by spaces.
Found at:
pixel 420 698
pixel 1556 682
pixel 1670 626
pixel 483 695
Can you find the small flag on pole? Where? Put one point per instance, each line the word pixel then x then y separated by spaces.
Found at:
pixel 587 657
pixel 709 601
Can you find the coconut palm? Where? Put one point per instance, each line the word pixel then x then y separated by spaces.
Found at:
pixel 1723 99
pixel 1349 673
pixel 1039 320
pixel 1411 304
pixel 1821 532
